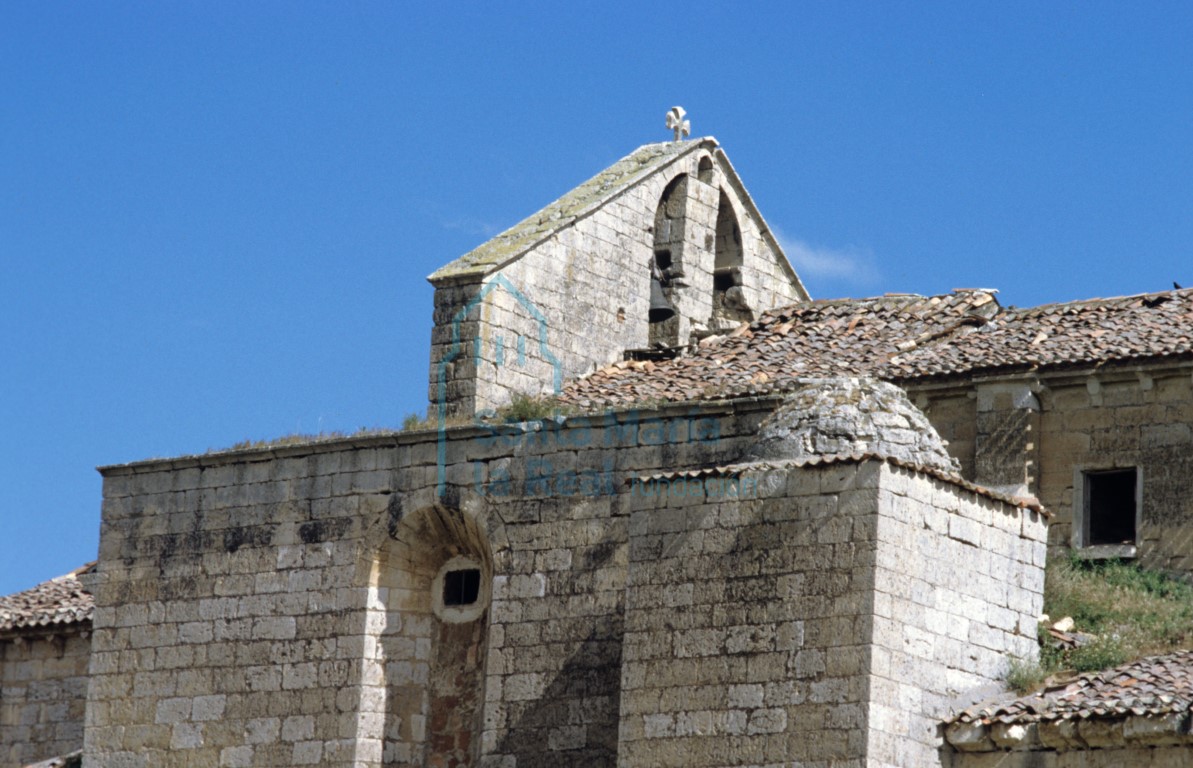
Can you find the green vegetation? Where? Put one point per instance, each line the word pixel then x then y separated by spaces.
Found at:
pixel 275 442
pixel 1132 612
pixel 414 422
pixel 522 408
pixel 1024 676
pixel 527 408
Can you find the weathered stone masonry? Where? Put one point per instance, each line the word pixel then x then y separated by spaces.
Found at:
pixel 1041 431
pixel 280 607
pixel 583 263
pixel 795 574
pixel 843 645
pixel 269 608
pixel 43 693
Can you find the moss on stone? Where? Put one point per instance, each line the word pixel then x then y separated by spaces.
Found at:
pixel 563 212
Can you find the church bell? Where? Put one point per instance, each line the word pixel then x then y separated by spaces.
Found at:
pixel 660 308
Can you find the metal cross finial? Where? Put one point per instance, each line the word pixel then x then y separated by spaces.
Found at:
pixel 676 122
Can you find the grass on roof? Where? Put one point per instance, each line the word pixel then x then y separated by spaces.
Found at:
pixel 413 422
pixel 1133 612
pixel 301 439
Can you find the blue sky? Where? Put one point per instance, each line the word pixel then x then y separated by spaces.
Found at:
pixel 216 219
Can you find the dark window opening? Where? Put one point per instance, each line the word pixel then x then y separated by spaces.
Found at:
pixel 461 587
pixel 663 259
pixel 1110 507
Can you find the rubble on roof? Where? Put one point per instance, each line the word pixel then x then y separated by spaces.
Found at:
pixel 902 339
pixel 58 602
pixel 786 346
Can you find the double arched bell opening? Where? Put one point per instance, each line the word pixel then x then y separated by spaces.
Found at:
pixel 713 253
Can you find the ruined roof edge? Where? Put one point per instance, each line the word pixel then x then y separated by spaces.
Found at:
pixel 736 470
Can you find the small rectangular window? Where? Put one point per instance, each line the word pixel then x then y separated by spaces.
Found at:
pixel 1110 506
pixel 461 587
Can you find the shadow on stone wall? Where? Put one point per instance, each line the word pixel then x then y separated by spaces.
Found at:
pixel 575 721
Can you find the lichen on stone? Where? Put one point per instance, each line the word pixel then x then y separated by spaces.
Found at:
pixel 533 229
pixel 850 416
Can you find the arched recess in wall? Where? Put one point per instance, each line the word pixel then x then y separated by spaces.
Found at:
pixel 434 578
pixel 667 266
pixel 729 302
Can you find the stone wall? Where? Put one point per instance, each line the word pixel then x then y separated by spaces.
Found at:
pixel 1040 433
pixel 229 621
pixel 1132 420
pixel 748 619
pixel 43 692
pixel 271 607
pixel 554 670
pixel 1007 433
pixel 278 607
pixel 589 285
pixel 958 588
pixel 835 618
pixel 952 412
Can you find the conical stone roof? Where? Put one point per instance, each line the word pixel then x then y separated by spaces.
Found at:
pixel 850 416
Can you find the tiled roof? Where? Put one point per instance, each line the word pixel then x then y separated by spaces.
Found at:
pixel 1157 685
pixel 56 602
pixel 814 339
pixel 563 212
pixel 1076 333
pixel 901 338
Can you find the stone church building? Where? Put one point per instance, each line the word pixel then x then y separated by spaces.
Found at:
pixel 739 527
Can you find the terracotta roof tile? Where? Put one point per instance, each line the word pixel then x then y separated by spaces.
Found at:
pixel 900 338
pixel 818 338
pixel 1060 335
pixel 57 602
pixel 1155 685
